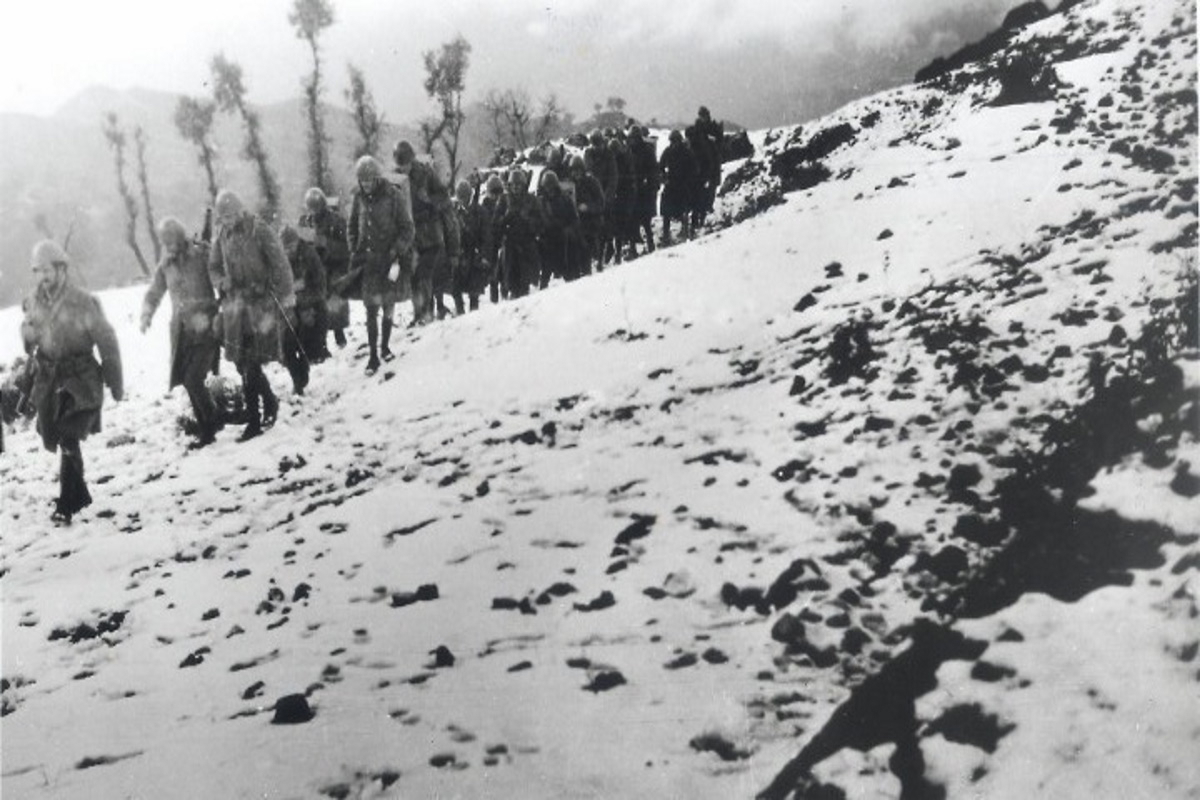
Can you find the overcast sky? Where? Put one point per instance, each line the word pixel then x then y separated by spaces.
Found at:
pixel 756 61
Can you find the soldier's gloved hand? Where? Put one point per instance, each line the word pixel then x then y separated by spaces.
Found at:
pixel 394 272
pixel 118 393
pixel 144 324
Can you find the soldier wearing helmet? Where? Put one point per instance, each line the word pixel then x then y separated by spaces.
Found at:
pixel 680 180
pixel 647 181
pixel 430 205
pixel 490 207
pixel 561 236
pixel 590 203
pixel 381 240
pixel 251 274
pixel 330 243
pixel 521 221
pixel 602 164
pixel 183 273
pixel 63 329
pixel 475 243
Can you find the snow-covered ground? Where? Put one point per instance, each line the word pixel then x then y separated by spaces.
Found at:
pixel 741 516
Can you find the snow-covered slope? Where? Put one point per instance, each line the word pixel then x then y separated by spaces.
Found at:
pixel 835 499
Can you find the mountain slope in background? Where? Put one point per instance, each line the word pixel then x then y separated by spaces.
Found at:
pixel 885 489
pixel 61 168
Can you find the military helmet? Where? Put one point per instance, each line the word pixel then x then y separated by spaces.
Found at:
pixel 48 253
pixel 676 136
pixel 597 137
pixel 171 231
pixel 367 168
pixel 578 164
pixel 495 185
pixel 403 153
pixel 228 204
pixel 314 200
pixel 549 180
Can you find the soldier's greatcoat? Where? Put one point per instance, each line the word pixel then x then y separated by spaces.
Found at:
pixel 249 269
pixel 194 340
pixel 63 329
pixel 381 231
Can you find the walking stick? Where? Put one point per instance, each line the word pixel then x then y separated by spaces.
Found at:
pixel 296 336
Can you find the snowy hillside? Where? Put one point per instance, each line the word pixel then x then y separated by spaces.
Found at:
pixel 884 489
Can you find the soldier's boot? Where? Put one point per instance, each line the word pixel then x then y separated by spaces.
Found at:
pixel 270 405
pixel 207 419
pixel 73 490
pixel 254 426
pixel 372 341
pixel 385 337
pixel 339 336
pixel 459 308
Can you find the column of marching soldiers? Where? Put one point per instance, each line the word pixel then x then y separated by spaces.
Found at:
pixel 264 293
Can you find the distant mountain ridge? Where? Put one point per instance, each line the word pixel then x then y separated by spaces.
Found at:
pixel 57 173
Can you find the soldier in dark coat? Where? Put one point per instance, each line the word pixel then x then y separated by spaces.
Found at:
pixel 708 175
pixel 332 247
pixel 560 237
pixel 680 177
pixel 381 237
pixel 622 206
pixel 475 235
pixel 304 338
pixel 183 273
pixel 521 221
pixel 430 201
pixel 490 207
pixel 251 274
pixel 602 163
pixel 647 180
pixel 63 328
pixel 714 134
pixel 589 202
pixel 446 277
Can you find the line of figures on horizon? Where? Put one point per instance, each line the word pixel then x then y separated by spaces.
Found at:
pixel 264 295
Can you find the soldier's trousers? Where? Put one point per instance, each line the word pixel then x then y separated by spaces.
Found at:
pixel 374 344
pixel 198 366
pixel 261 403
pixel 422 283
pixel 73 493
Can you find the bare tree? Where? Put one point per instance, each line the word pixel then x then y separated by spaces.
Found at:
pixel 139 142
pixel 445 80
pixel 367 118
pixel 230 93
pixel 552 119
pixel 310 18
pixel 116 141
pixel 509 113
pixel 513 121
pixel 194 121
